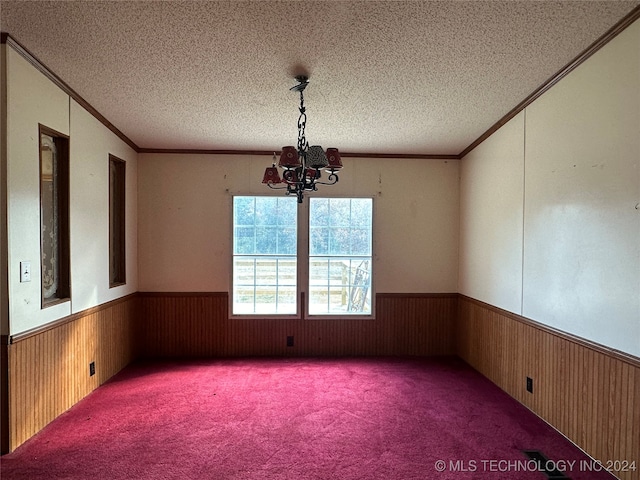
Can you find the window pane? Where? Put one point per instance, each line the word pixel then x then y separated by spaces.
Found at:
pixel 265 285
pixel 340 256
pixel 243 210
pixel 360 241
pixel 266 271
pixel 287 238
pixel 287 300
pixel 287 272
pixel 340 226
pixel 265 268
pixel 266 210
pixel 287 213
pixel 339 241
pixel 320 214
pixel 265 246
pixel 244 271
pixel 243 299
pixel 244 240
pixel 318 240
pixel 339 286
pixel 54 216
pixel 49 217
pixel 266 240
pixel 340 212
pixel 117 234
pixel 361 212
pixel 318 271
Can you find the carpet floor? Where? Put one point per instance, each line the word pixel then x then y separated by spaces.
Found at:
pixel 292 418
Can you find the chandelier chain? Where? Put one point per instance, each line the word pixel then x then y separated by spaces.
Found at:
pixel 302 123
pixel 301 166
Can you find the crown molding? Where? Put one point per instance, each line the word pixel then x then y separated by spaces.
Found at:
pixel 277 152
pixel 609 35
pixel 571 66
pixel 42 68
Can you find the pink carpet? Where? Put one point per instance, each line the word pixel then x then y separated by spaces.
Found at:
pixel 365 418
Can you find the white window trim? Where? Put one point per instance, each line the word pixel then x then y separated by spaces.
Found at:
pixel 302 278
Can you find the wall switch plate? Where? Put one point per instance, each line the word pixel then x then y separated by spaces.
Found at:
pixel 25 272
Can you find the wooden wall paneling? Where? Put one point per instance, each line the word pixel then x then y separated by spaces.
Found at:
pixel 591 379
pixel 572 386
pixel 549 362
pixel 159 332
pixel 605 413
pixel 417 324
pixel 4 392
pixel 175 325
pixel 596 433
pixel 580 403
pixel 116 328
pixel 618 394
pixel 518 370
pixel 48 371
pixel 193 324
pixel 589 393
pixel 635 417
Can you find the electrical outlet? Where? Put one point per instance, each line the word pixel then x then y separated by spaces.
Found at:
pixel 290 341
pixel 25 272
pixel 529 384
pixel 92 369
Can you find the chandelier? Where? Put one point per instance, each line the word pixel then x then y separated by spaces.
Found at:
pixel 302 165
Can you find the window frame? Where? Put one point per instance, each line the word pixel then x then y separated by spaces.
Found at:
pixel 117 222
pixel 298 312
pixel 61 142
pixel 307 240
pixel 303 265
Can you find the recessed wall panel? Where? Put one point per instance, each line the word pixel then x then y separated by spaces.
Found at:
pixel 491 209
pixel 91 145
pixel 582 219
pixel 32 99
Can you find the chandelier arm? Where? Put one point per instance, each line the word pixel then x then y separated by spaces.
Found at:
pixel 294 177
pixel 333 177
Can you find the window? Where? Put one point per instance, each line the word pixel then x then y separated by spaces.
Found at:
pixel 339 255
pixel 117 262
pixel 327 255
pixel 54 216
pixel 265 255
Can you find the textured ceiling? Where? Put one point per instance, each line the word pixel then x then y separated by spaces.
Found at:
pixel 390 77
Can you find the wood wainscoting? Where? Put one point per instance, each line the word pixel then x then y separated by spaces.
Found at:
pixel 49 368
pixel 198 325
pixel 587 392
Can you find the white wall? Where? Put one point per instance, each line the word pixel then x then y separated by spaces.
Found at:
pixel 582 228
pixel 184 218
pixel 491 193
pixel 32 99
pixel 91 144
pixel 580 247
